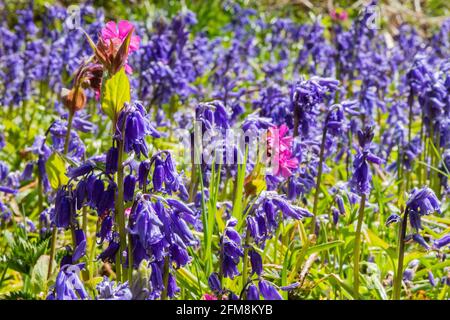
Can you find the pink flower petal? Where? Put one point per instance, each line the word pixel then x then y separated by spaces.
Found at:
pixel 283 130
pixel 124 27
pixel 109 31
pixel 128 69
pixel 134 43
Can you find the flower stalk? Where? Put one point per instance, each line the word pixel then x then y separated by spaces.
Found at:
pixel 357 248
pixel 401 253
pixel 319 179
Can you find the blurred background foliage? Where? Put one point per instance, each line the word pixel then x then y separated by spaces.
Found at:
pixel 212 15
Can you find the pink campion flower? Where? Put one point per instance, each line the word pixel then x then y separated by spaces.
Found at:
pixel 277 138
pixel 280 148
pixel 286 163
pixel 339 14
pixel 116 33
pixel 208 296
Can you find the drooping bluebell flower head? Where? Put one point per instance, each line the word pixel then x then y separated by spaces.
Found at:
pixel 214 283
pixel 212 115
pixel 65 208
pixel 109 290
pixel 442 242
pixel 421 202
pixel 2 141
pixel 361 180
pixel 307 95
pixel 109 254
pixel 268 291
pixel 165 178
pixel 252 292
pixel 133 126
pixel 256 262
pixel 420 75
pixel 76 148
pixel 335 121
pixel 431 278
pixel 112 157
pixel 420 240
pixel 393 218
pixel 263 220
pixel 45 222
pixel 105 231
pixel 160 229
pixel 232 250
pixel 80 245
pixel 274 104
pixel 68 285
pixel 81 170
pixel 27 173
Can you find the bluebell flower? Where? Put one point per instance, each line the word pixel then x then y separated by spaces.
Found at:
pixel 431 278
pixel 129 184
pixel 105 229
pixel 252 292
pixel 135 126
pixel 420 240
pixel 335 215
pixel 442 242
pixel 109 254
pixel 105 200
pixel 231 249
pixel 421 202
pixel 68 285
pixel 165 176
pixel 112 158
pixel 44 222
pixel 256 262
pixel 109 290
pixel 361 179
pixel 81 170
pixel 2 141
pixel 4 170
pixel 306 96
pixel 27 173
pixel 144 169
pixel 65 209
pixel 340 203
pixel 393 218
pixel 8 190
pixel 268 291
pixel 80 245
pixel 214 283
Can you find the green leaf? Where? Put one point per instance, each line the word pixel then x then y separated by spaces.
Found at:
pixel 56 169
pixel 39 274
pixel 325 246
pixel 375 241
pixel 116 91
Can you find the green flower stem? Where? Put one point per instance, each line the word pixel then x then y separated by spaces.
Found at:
pixel 69 129
pixel 165 278
pixel 54 231
pixel 130 260
pixel 85 220
pixel 120 212
pixel 52 252
pixel 357 247
pixel 401 253
pixel 319 179
pixel 245 260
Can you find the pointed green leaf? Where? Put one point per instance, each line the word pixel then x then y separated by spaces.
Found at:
pixel 116 92
pixel 56 171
